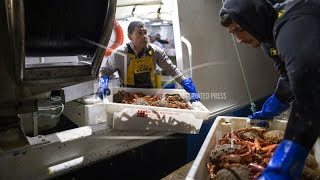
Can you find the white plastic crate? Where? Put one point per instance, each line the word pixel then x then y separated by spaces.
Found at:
pixel 86 111
pixel 222 125
pixel 138 117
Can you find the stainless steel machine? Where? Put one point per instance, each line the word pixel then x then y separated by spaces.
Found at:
pixel 46 28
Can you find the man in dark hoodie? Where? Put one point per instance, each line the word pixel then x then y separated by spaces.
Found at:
pixel 279 101
pixel 294 30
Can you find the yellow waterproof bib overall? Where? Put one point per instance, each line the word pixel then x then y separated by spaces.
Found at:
pixel 141 70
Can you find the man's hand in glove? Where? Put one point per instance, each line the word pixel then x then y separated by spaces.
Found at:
pixel 272 107
pixel 103 87
pixel 188 85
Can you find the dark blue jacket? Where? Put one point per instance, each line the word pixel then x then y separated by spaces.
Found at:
pixel 296 34
pixel 282 91
pixel 297 37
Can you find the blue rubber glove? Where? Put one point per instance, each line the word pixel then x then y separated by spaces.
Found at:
pixel 103 87
pixel 188 85
pixel 287 162
pixel 272 107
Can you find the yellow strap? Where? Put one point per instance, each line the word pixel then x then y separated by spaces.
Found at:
pixel 274 51
pixel 280 13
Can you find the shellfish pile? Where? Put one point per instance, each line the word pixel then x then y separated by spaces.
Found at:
pixel 243 154
pixel 138 98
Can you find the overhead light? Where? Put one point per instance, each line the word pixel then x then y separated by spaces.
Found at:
pixel 146 20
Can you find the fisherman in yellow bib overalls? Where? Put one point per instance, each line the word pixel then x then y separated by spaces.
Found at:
pixel 141 69
pixel 136 64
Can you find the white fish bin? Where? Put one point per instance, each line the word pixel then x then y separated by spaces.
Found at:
pixel 122 116
pixel 221 126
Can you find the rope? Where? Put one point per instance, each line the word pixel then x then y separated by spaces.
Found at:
pixel 253 106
